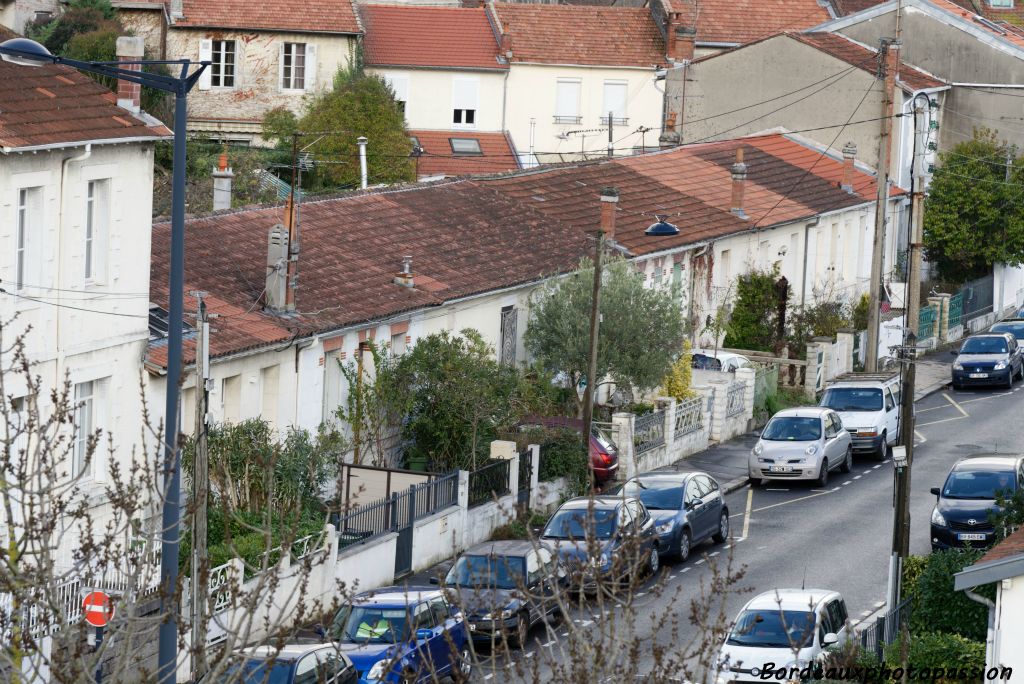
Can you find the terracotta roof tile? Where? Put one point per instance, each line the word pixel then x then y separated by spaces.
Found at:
pixel 1013 545
pixel 429 36
pixel 741 21
pixel 496 155
pixel 865 58
pixel 573 34
pixel 478 235
pixel 55 104
pixel 302 16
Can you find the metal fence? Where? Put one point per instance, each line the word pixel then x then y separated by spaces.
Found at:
pixel 956 309
pixel 689 416
pixel 979 296
pixel 926 320
pixel 648 432
pixel 489 482
pixel 734 399
pixel 886 629
pixel 766 382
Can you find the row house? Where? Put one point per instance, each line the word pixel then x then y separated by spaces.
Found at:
pixel 470 253
pixel 76 179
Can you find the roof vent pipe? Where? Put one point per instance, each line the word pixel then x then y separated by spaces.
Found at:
pixel 405 277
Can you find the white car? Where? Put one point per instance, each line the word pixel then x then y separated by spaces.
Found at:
pixel 869 406
pixel 801 444
pixel 791 628
pixel 705 358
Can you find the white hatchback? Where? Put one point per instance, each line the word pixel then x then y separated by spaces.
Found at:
pixel 801 444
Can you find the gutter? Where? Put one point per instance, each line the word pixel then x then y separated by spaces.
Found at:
pixel 86 143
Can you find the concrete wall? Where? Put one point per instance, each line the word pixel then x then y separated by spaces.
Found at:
pixel 14 15
pixel 429 96
pixel 148 24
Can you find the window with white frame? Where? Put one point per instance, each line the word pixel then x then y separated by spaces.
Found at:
pixel 222 67
pixel 567 101
pixel 97 225
pixel 465 98
pixel 85 424
pixel 1000 3
pixel 615 96
pixel 293 66
pixel 26 234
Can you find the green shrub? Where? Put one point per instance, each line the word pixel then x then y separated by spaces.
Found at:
pixel 561 455
pixel 937 650
pixel 937 607
pixel 514 530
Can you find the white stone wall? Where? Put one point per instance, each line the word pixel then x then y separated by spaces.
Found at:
pixel 429 96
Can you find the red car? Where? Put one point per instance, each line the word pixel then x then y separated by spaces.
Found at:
pixel 604 455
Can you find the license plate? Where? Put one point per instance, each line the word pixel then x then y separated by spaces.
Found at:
pixel 780 469
pixel 971 536
pixel 472 627
pixel 978 375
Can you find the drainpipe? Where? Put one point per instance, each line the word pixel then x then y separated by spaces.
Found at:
pixel 803 279
pixel 60 241
pixel 991 658
pixel 361 141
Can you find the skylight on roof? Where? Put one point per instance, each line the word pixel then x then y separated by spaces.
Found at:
pixel 465 146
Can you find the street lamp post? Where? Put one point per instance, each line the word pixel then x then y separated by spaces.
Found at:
pixel 30 53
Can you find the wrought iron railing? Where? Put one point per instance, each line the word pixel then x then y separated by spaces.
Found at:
pixel 489 482
pixel 886 629
pixel 648 432
pixel 689 416
pixel 926 323
pixel 956 310
pixel 734 399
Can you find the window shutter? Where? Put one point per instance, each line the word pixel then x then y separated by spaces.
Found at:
pixel 205 55
pixel 464 93
pixel 567 98
pixel 615 93
pixel 310 66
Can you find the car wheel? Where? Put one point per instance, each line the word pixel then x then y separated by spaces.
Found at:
pixel 684 545
pixel 848 461
pixel 883 448
pixel 653 562
pixel 822 480
pixel 723 528
pixel 464 668
pixel 1009 380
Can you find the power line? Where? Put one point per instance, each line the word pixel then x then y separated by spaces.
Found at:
pixel 74 308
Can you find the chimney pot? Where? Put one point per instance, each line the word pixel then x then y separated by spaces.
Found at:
pixel 739 182
pixel 849 159
pixel 609 198
pixel 222 180
pixel 129 94
pixel 405 277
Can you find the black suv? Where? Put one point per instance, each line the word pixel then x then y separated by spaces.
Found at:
pixel 988 359
pixel 963 504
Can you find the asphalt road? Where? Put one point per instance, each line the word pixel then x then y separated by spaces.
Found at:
pixel 789 534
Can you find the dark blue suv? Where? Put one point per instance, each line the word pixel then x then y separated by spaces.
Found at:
pixel 403 634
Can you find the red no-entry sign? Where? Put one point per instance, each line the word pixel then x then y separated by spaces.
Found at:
pixel 98 609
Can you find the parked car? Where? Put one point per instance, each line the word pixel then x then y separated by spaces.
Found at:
pixel 603 538
pixel 403 634
pixel 786 627
pixel 688 508
pixel 963 503
pixel 505 588
pixel 869 406
pixel 988 359
pixel 604 454
pixel 801 444
pixel 1014 326
pixel 712 359
pixel 315 663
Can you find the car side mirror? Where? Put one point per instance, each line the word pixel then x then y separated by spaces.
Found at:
pixel 953 352
pixel 424 634
pixel 434 579
pixel 319 630
pixel 935 491
pixel 830 639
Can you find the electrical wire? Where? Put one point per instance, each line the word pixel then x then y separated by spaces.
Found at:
pixel 66 306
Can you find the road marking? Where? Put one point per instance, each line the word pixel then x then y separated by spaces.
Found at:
pixel 685 570
pixel 530 654
pixel 565 634
pixel 488 676
pixel 958 406
pixel 761 548
pixel 641 593
pixel 550 644
pixel 586 623
pixel 866 613
pixel 712 555
pixel 857 477
pixel 802 498
pixel 746 516
pixel 877 467
pixel 847 482
pixel 944 420
pixel 700 562
pixel 775 489
pixel 835 489
pixel 921 437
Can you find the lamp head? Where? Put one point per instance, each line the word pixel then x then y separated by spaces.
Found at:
pixel 25 52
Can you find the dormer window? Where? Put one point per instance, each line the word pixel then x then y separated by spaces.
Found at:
pixel 1002 4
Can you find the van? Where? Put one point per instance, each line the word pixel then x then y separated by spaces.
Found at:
pixel 869 406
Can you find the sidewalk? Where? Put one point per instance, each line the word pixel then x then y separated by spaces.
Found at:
pixel 932 374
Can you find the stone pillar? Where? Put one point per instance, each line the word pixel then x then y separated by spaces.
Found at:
pixel 129 49
pixel 669 405
pixel 748 376
pixel 623 423
pixel 941 328
pixel 810 379
pixel 721 389
pixel 463 510
pixel 533 453
pixel 846 337
pixel 705 392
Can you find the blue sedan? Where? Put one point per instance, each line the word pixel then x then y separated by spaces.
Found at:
pixel 403 634
pixel 688 508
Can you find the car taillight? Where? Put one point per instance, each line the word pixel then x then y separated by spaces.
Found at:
pixel 607 458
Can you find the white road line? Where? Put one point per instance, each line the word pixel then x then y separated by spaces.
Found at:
pixel 761 548
pixel 856 477
pixel 819 490
pixel 746 515
pixel 488 676
pixel 956 405
pixel 835 489
pixel 530 654
pixel 700 562
pixel 641 593
pixel 586 623
pixel 944 420
pixel 879 604
pixel 802 498
pixel 921 437
pixel 876 467
pixel 685 570
pixel 565 634
pixel 847 482
pixel 550 644
pixel 775 489
pixel 866 613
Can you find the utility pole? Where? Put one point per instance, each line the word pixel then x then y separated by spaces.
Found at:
pixel 293 221
pixel 611 144
pixel 200 493
pixel 912 305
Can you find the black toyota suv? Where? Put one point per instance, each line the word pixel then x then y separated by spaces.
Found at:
pixel 963 504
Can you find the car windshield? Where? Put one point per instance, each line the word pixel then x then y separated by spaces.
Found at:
pixel 977 484
pixel 773 628
pixel 657 495
pixel 853 399
pixel 572 524
pixel 370 624
pixel 253 671
pixel 497 572
pixel 704 362
pixel 1017 329
pixel 793 429
pixel 984 345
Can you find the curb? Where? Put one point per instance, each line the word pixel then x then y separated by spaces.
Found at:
pixel 732 485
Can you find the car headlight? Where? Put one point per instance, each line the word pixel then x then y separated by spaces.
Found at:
pixel 503 614
pixel 957 365
pixel 600 561
pixel 666 527
pixel 937 518
pixel 999 366
pixel 758 449
pixel 377 671
pixel 811 450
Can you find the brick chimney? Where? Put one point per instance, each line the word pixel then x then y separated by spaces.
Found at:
pixel 609 200
pixel 222 177
pixel 849 156
pixel 682 41
pixel 669 135
pixel 506 45
pixel 739 182
pixel 129 95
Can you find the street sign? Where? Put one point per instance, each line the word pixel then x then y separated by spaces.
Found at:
pixel 98 609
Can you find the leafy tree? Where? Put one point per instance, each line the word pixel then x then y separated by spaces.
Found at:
pixel 641 329
pixel 936 606
pixel 753 322
pixel 678 382
pixel 1010 514
pixel 974 215
pixel 460 398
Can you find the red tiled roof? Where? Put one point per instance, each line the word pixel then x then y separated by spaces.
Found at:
pixel 54 104
pixel 429 36
pixel 574 34
pixel 865 58
pixel 479 235
pixel 845 7
pixel 741 21
pixel 1013 545
pixel 438 158
pixel 302 16
pixel 969 10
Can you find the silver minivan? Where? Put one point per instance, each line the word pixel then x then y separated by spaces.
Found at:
pixel 801 444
